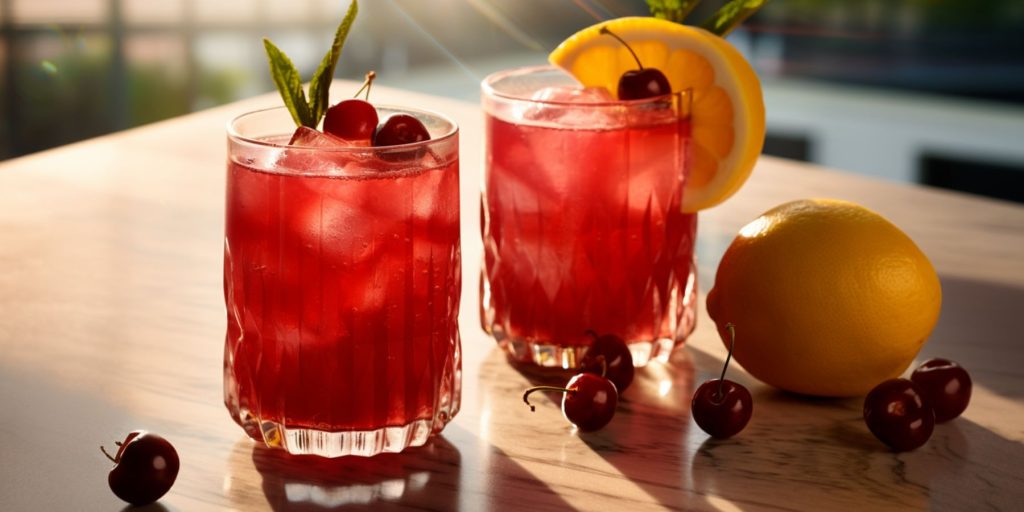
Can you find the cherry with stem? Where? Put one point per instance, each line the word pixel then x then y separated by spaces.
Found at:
pixel 637 84
pixel 721 407
pixel 588 400
pixel 354 119
pixel 145 467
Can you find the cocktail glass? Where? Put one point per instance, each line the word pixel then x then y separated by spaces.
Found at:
pixel 581 222
pixel 342 281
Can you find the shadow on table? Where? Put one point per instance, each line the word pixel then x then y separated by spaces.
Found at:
pixel 980 328
pixel 646 440
pixel 423 477
pixel 452 471
pixel 152 507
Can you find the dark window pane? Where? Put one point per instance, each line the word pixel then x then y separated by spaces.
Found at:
pixel 976 177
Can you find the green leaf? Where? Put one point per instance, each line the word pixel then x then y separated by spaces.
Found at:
pixel 286 77
pixel 730 15
pixel 319 87
pixel 672 10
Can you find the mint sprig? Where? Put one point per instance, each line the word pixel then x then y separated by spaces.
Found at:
pixel 731 15
pixel 289 84
pixel 672 10
pixel 286 77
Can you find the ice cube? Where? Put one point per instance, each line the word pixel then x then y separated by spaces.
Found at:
pixel 575 107
pixel 303 159
pixel 573 94
pixel 307 137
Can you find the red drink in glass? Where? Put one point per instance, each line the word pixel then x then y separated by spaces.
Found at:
pixel 581 219
pixel 342 281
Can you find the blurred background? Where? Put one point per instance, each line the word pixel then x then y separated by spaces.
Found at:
pixel 926 91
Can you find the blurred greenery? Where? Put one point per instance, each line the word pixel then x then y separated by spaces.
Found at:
pixel 70 97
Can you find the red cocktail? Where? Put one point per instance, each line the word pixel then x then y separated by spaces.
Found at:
pixel 581 221
pixel 342 282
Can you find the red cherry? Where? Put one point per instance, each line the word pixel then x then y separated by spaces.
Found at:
pixel 589 401
pixel 897 413
pixel 609 357
pixel 144 468
pixel 946 385
pixel 721 407
pixel 352 120
pixel 637 84
pixel 400 129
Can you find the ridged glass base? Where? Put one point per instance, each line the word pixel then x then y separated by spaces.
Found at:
pixel 299 441
pixel 546 354
pixel 555 356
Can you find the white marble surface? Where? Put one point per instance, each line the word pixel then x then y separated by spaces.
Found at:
pixel 111 319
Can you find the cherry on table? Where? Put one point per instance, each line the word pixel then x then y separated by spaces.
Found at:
pixel 721 407
pixel 400 129
pixel 898 414
pixel 588 401
pixel 609 357
pixel 946 385
pixel 637 84
pixel 145 468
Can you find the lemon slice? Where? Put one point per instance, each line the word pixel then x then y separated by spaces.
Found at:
pixel 727 109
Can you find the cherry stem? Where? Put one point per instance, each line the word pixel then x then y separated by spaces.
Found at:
pixel 104 450
pixel 605 31
pixel 367 84
pixel 604 366
pixel 732 344
pixel 591 333
pixel 526 394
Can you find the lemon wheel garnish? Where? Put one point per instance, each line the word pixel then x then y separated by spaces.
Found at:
pixel 727 109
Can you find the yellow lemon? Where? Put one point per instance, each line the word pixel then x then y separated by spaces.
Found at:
pixel 727 109
pixel 828 298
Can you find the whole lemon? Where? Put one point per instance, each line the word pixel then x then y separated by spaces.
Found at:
pixel 827 297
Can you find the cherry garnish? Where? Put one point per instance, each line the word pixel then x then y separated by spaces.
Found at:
pixel 144 468
pixel 609 357
pixel 353 119
pixel 637 84
pixel 898 414
pixel 946 385
pixel 400 129
pixel 589 400
pixel 721 407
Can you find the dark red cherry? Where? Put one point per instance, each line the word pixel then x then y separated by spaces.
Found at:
pixel 589 401
pixel 144 468
pixel 898 414
pixel 946 386
pixel 722 408
pixel 637 84
pixel 609 356
pixel 400 129
pixel 352 120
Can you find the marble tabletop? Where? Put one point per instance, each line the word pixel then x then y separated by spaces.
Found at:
pixel 112 319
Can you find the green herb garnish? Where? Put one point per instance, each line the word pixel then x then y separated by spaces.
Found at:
pixel 721 23
pixel 731 15
pixel 672 10
pixel 286 77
